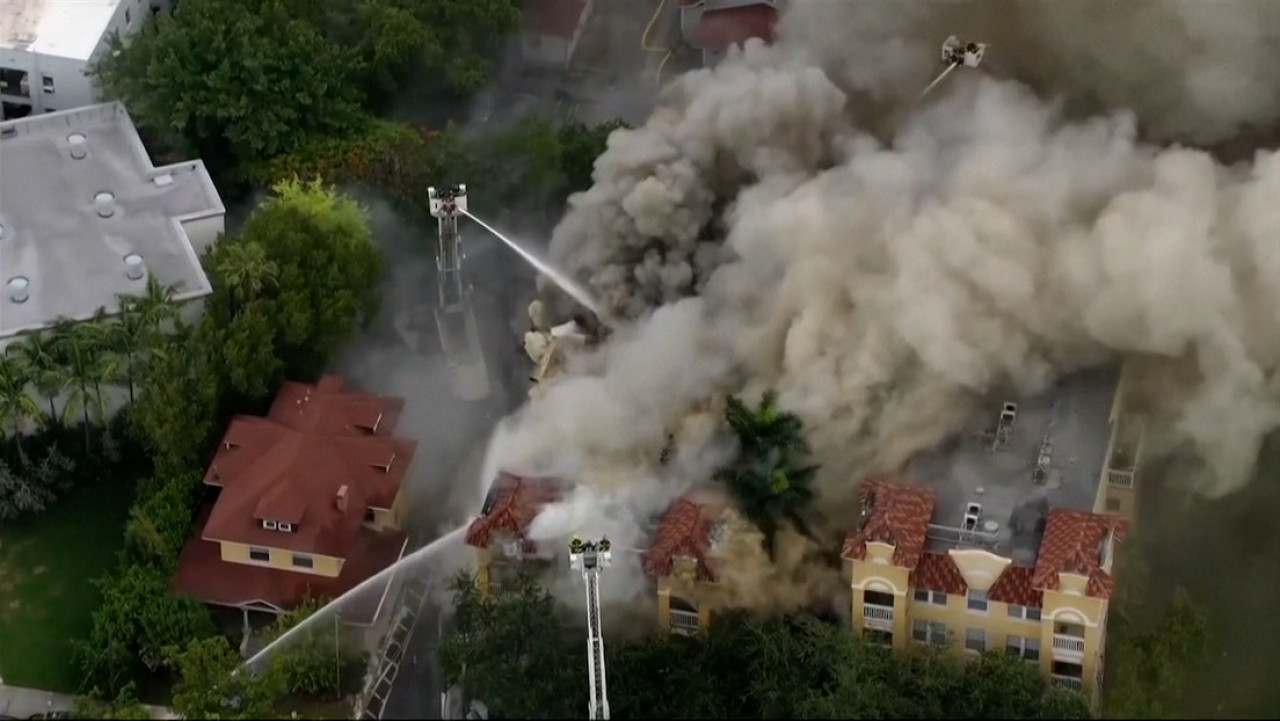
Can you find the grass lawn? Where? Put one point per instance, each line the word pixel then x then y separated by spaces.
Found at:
pixel 47 598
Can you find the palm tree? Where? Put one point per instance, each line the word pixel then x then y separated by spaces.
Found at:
pixel 771 479
pixel 16 405
pixel 38 355
pixel 79 348
pixel 245 269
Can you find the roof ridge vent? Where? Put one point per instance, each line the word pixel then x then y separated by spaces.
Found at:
pixel 19 289
pixel 134 268
pixel 104 203
pixel 79 143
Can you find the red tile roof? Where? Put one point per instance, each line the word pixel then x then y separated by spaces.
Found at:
pixel 1072 543
pixel 900 516
pixel 558 18
pixel 718 29
pixel 1015 587
pixel 937 572
pixel 683 532
pixel 202 573
pixel 291 466
pixel 513 504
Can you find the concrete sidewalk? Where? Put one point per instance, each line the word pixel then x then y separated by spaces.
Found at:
pixel 23 703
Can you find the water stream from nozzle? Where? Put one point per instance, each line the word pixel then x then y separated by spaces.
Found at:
pixel 565 283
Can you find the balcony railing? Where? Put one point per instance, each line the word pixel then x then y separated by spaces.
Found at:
pixel 684 622
pixel 878 617
pixel 1119 479
pixel 1068 682
pixel 1068 644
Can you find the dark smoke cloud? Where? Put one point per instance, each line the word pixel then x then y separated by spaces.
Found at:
pixel 885 263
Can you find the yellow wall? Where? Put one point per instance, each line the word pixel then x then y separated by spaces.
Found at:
pixel 281 559
pixel 665 590
pixel 876 573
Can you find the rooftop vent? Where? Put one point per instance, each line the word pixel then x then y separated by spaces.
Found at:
pixel 18 289
pixel 163 180
pixel 105 204
pixel 134 268
pixel 8 132
pixel 79 145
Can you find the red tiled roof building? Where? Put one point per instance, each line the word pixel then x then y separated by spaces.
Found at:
pixel 307 505
pixel 500 533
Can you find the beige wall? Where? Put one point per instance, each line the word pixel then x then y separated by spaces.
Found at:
pixel 281 559
pixel 1068 605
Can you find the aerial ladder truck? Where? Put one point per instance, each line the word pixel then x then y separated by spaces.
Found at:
pixel 589 558
pixel 455 320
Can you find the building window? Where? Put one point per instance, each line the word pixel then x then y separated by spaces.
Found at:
pixel 937 598
pixel 261 555
pixel 303 561
pixel 370 515
pixel 977 600
pixel 285 527
pixel 1030 613
pixel 1113 505
pixel 878 598
pixel 975 639
pixel 1028 649
pixel 269 525
pixel 934 632
pixel 46 83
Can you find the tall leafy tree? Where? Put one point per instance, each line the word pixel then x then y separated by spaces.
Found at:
pixel 772 476
pixel 208 686
pixel 231 77
pixel 135 331
pixel 37 352
pixel 16 404
pixel 80 349
pixel 246 270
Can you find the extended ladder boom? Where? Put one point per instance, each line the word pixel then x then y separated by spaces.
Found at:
pixel 589 558
pixel 446 204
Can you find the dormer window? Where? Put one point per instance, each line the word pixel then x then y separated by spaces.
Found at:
pixel 387 467
pixel 269 525
pixel 281 526
pixel 285 527
pixel 228 445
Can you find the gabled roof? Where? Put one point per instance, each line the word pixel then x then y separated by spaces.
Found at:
pixel 291 465
pixel 898 515
pixel 1015 587
pixel 684 531
pixel 1072 543
pixel 718 29
pixel 203 574
pixel 937 572
pixel 512 504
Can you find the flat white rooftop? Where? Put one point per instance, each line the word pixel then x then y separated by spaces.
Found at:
pixel 80 201
pixel 1053 457
pixel 65 28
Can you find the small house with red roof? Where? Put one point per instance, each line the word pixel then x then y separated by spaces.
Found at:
pixel 550 31
pixel 712 26
pixel 500 533
pixel 307 504
pixel 681 559
pixel 1004 538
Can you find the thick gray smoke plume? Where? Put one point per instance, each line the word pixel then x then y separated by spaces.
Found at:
pixel 882 286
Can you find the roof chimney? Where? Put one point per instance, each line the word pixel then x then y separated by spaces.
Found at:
pixel 341 500
pixel 18 289
pixel 133 267
pixel 79 145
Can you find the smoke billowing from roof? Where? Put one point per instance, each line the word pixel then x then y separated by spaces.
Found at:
pixel 883 282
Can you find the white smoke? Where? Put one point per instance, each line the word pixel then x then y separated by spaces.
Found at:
pixel 882 286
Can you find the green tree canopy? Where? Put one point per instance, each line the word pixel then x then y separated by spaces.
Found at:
pixel 209 686
pixel 519 654
pixel 771 477
pixel 317 661
pixel 234 77
pixel 298 280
